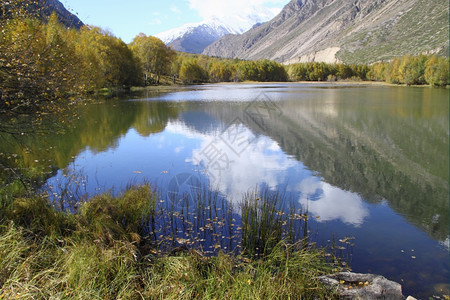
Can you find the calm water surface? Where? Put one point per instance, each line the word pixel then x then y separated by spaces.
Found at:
pixel 367 162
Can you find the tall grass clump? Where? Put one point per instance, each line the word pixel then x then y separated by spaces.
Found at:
pixel 107 250
pixel 127 216
pixel 265 222
pixel 284 274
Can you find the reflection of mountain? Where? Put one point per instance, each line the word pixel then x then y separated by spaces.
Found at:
pixel 199 121
pixel 396 152
pixel 376 147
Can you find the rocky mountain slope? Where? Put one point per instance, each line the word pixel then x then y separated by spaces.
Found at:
pixel 64 16
pixel 40 9
pixel 194 37
pixel 357 31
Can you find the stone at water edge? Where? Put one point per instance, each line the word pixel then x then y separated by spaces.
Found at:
pixel 363 286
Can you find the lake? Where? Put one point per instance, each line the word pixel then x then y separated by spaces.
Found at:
pixel 366 162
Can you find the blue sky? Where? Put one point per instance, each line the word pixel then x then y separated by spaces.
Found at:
pixel 126 19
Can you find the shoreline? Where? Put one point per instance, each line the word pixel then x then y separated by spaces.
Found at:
pixel 164 87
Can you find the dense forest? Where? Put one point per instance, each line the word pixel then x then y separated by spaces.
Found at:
pixel 43 61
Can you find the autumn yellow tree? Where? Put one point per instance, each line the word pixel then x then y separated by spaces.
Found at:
pixel 107 61
pixel 155 57
pixel 221 71
pixel 37 66
pixel 191 72
pixel 437 71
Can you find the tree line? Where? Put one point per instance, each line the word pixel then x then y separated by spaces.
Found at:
pixel 42 62
pixel 409 70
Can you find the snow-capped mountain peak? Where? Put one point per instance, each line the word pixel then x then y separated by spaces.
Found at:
pixel 213 24
pixel 194 37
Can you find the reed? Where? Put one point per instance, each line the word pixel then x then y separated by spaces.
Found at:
pixel 112 248
pixel 266 221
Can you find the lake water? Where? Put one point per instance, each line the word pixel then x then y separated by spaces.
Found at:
pixel 367 162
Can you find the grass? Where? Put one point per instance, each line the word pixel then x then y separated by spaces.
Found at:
pixel 108 250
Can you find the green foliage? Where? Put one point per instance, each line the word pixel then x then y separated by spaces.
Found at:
pixel 412 70
pixel 44 64
pixel 437 71
pixel 200 68
pixel 37 66
pixel 261 70
pixel 106 60
pixel 317 71
pixel 220 71
pixel 154 56
pixel 191 72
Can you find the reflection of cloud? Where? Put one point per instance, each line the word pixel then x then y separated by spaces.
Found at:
pixel 233 171
pixel 181 128
pixel 331 203
pixel 178 149
pixel 254 166
pixel 446 243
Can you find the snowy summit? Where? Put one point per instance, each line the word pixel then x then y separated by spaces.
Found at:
pixel 194 37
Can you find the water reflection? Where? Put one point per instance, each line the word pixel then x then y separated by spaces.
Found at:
pixel 235 173
pixel 337 151
pixel 328 203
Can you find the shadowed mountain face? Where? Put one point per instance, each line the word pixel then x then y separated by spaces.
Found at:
pixel 42 9
pixel 361 31
pixel 64 16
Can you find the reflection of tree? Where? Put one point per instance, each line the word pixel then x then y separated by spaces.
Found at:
pixel 380 150
pixel 153 117
pixel 99 127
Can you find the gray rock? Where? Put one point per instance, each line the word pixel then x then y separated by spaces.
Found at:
pixel 363 286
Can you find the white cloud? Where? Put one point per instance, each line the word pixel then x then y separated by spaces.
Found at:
pixel 236 8
pixel 175 9
pixel 155 21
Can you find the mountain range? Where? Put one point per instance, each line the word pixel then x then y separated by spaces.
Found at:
pixel 194 37
pixel 349 31
pixel 356 31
